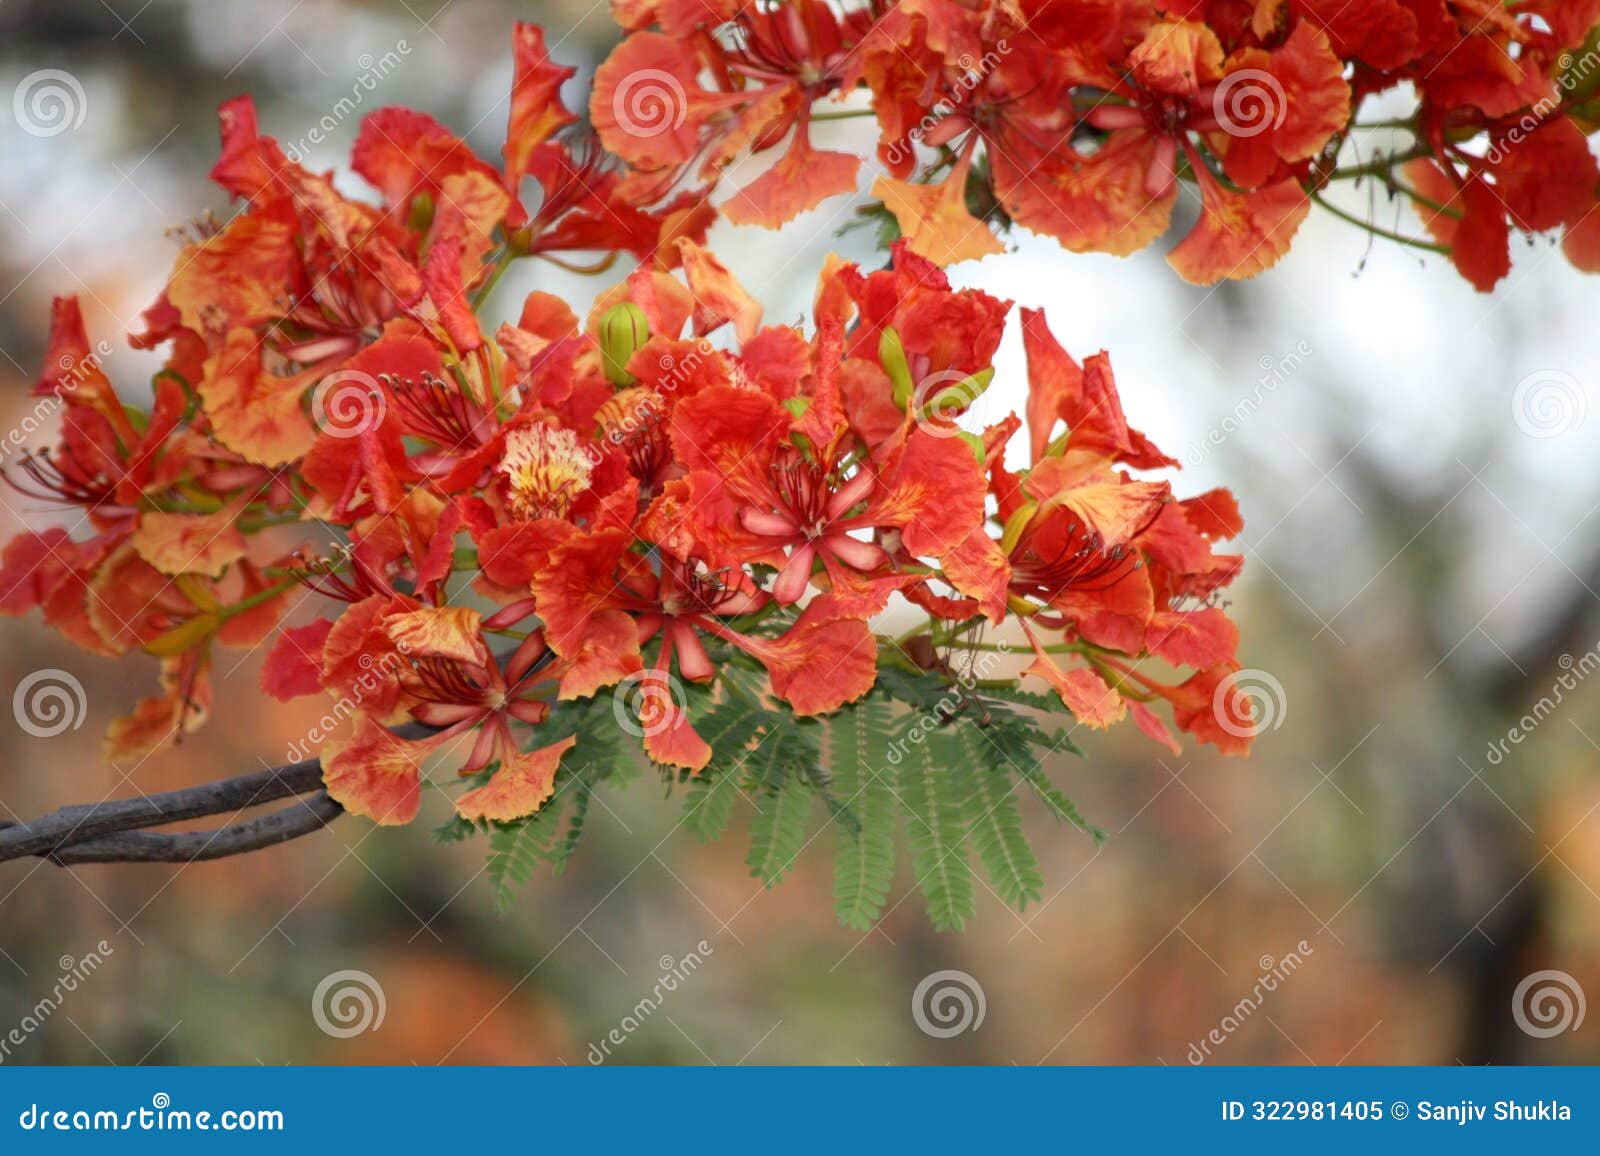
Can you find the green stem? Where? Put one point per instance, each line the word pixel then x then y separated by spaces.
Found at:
pixel 1379 230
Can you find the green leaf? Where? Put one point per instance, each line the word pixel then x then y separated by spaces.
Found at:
pixel 995 828
pixel 923 691
pixel 454 830
pixel 728 729
pixel 779 766
pixel 933 795
pixel 863 867
pixel 1060 806
pixel 517 849
pixel 562 852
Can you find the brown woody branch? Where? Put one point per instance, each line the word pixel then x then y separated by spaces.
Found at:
pixel 112 831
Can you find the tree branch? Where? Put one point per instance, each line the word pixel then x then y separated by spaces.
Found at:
pixel 301 817
pixel 109 832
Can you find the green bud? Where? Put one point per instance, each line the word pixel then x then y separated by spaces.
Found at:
pixel 623 330
pixel 962 394
pixel 1016 524
pixel 421 213
pixel 892 356
pixel 975 444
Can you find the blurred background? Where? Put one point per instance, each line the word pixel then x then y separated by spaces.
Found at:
pixel 1417 466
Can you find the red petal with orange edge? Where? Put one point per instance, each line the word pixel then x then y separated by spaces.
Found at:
pixel 578 582
pixel 728 431
pixel 519 788
pixel 1239 234
pixel 293 668
pixel 1094 203
pixel 641 105
pixel 241 277
pixel 1210 716
pixel 1197 638
pixel 1147 721
pixel 375 774
pixel 254 413
pixel 801 180
pixel 668 737
pixel 189 543
pixel 1084 692
pixel 609 652
pixel 934 493
pixel 470 207
pixel 1116 510
pixel 1481 247
pixel 817 667
pixel 935 222
pixel 1178 58
pixel 979 569
pixel 536 109
pixel 402 153
pixel 443 278
pixel 356 647
pixel 451 632
pixel 718 298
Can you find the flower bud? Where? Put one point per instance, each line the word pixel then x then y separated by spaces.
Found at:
pixel 623 330
pixel 892 356
pixel 421 216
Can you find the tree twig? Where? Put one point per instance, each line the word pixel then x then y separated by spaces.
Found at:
pixel 85 822
pixel 301 817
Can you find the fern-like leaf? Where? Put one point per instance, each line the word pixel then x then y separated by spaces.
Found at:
pixel 728 729
pixel 779 767
pixel 995 827
pixel 931 792
pixel 516 850
pixel 864 860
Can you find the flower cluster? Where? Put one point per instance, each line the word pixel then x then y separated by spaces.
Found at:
pixel 1080 119
pixel 510 519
